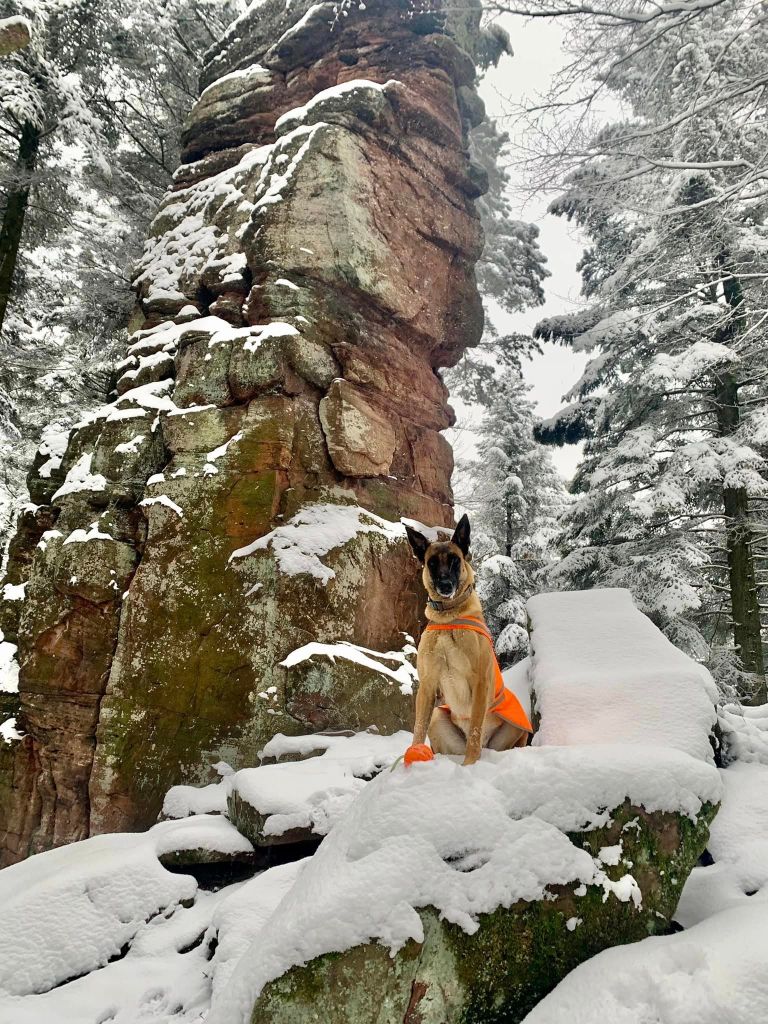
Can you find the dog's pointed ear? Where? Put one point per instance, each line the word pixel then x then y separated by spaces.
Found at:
pixel 419 544
pixel 461 535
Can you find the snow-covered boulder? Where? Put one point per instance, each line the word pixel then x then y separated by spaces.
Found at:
pixel 449 894
pixel 300 799
pixel 15 34
pixel 603 673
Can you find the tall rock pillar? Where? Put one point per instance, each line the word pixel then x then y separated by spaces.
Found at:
pixel 239 498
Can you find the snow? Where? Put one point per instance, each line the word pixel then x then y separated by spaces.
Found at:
pixel 68 911
pixel 129 447
pixel 298 114
pixel 80 478
pixel 745 732
pixel 697 359
pixel 432 533
pixel 200 832
pixel 54 445
pixel 404 675
pixel 182 801
pixel 165 501
pixel 602 672
pixel 239 918
pixel 147 362
pixel 9 667
pixel 8 731
pixel 92 533
pixel 712 974
pixel 252 76
pixel 502 822
pixel 14 591
pixel 314 532
pixel 714 971
pixel 315 793
pixel 217 453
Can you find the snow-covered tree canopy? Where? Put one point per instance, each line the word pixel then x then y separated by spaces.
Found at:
pixel 673 400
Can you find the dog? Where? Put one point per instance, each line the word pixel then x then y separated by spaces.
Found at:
pixel 456 659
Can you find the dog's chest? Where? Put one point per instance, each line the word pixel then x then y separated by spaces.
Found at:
pixel 451 658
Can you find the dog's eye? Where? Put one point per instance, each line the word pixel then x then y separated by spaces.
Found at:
pixel 453 562
pixel 432 564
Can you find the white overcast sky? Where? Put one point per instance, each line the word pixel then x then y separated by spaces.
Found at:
pixel 538 55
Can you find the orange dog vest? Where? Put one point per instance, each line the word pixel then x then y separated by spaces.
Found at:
pixel 505 703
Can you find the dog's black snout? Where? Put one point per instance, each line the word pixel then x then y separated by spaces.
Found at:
pixel 444 587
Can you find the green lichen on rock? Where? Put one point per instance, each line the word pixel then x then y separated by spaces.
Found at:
pixel 517 955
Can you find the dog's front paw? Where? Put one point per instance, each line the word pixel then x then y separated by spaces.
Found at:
pixel 470 759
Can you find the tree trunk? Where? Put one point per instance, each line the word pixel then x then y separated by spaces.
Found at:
pixel 15 213
pixel 745 606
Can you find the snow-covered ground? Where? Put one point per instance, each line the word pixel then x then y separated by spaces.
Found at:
pixel 716 970
pixel 100 933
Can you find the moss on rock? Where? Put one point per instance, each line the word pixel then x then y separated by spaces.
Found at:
pixel 517 955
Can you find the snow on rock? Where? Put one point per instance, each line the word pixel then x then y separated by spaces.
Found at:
pixel 432 533
pixel 182 801
pixel 83 536
pixel 603 673
pixel 130 447
pixel 292 118
pixel 80 478
pixel 246 78
pixel 404 674
pixel 239 918
pixel 9 667
pixel 209 832
pixel 71 909
pixel 165 501
pixel 163 979
pixel 314 532
pixel 193 227
pixel 8 731
pixel 14 591
pixel 53 445
pixel 711 974
pixel 716 970
pixel 398 846
pixel 315 793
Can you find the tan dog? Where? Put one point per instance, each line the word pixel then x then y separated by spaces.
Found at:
pixel 456 659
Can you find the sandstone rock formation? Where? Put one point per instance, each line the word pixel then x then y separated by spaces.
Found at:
pixel 15 34
pixel 276 414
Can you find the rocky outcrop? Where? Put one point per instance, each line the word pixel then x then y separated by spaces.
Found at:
pixel 453 895
pixel 15 34
pixel 276 414
pixel 517 954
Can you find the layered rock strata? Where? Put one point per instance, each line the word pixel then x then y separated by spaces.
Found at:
pixel 276 414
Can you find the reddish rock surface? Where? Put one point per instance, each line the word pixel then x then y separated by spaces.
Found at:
pixel 305 278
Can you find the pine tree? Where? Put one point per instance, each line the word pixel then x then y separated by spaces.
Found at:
pixel 104 88
pixel 516 497
pixel 510 273
pixel 674 405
